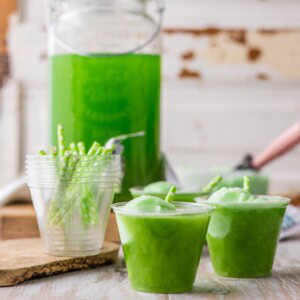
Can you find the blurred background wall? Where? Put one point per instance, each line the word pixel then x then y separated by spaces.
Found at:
pixel 231 83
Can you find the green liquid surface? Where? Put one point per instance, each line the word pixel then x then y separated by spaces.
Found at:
pixel 162 253
pixel 242 241
pixel 181 197
pixel 96 98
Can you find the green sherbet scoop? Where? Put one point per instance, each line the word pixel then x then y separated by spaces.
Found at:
pixel 234 194
pixel 159 187
pixel 148 203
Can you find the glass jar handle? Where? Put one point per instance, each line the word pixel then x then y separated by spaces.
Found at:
pixel 160 10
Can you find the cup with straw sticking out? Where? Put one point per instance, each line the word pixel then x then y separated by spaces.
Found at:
pixel 161 188
pixel 244 230
pixel 162 241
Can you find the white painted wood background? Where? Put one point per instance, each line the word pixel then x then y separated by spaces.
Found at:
pixel 217 104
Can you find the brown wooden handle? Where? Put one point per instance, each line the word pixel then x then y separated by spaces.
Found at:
pixel 285 142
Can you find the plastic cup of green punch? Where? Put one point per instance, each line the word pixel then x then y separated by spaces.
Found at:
pixel 162 242
pixel 243 233
pixel 160 189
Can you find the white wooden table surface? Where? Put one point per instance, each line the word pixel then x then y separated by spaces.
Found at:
pixel 111 282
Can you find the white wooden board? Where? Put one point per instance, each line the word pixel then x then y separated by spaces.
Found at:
pixel 111 283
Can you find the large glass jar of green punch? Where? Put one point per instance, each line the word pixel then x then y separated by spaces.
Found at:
pixel 105 78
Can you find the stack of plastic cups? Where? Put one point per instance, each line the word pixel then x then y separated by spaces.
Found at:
pixel 72 199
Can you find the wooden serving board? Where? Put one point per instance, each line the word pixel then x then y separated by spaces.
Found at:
pixel 24 259
pixel 18 221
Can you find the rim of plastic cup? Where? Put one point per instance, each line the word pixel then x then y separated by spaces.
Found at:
pixel 60 178
pixel 52 156
pixel 139 191
pixel 78 180
pixel 49 185
pixel 89 167
pixel 82 172
pixel 86 179
pixel 83 168
pixel 82 165
pixel 36 157
pixel 109 167
pixel 57 182
pixel 182 208
pixel 72 182
pixel 71 179
pixel 75 177
pixel 269 201
pixel 57 160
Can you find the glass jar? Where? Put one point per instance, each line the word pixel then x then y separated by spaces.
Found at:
pixel 105 78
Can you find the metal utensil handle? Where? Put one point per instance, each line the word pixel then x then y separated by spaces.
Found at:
pixel 117 140
pixel 282 144
pixel 160 10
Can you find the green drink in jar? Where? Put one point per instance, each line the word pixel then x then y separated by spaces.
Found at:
pixel 105 79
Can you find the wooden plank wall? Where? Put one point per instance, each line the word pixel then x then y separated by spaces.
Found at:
pixel 9 101
pixel 6 9
pixel 231 73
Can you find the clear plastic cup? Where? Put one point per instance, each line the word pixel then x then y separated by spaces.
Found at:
pixel 162 249
pixel 242 237
pixel 72 201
